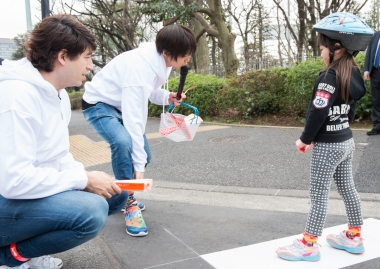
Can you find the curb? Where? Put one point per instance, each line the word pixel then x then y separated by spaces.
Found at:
pixel 370 197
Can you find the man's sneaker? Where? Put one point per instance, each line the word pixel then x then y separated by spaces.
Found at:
pixel 135 224
pixel 132 201
pixel 299 252
pixel 45 262
pixel 22 266
pixel 341 241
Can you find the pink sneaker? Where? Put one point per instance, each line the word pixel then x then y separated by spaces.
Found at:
pixel 299 252
pixel 341 241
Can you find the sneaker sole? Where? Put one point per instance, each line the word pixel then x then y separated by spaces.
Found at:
pixel 306 258
pixel 36 267
pixel 137 235
pixel 357 250
pixel 57 267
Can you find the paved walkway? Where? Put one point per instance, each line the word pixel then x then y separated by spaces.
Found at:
pixel 92 153
pixel 227 199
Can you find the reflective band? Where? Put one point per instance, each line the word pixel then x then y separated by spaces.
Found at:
pixel 16 255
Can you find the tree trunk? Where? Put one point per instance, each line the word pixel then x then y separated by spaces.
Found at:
pixel 213 55
pixel 226 39
pixel 201 56
pixel 302 28
pixel 279 38
pixel 261 39
pixel 313 37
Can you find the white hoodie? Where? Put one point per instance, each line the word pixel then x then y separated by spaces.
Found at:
pixel 127 82
pixel 34 142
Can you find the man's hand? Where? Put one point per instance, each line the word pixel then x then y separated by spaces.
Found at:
pixel 138 175
pixel 366 76
pixel 172 98
pixel 101 184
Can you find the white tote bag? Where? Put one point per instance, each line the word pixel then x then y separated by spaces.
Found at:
pixel 178 127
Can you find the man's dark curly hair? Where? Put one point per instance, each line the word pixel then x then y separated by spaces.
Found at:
pixel 56 33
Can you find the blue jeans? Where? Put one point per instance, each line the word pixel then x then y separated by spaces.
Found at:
pixel 53 224
pixel 107 121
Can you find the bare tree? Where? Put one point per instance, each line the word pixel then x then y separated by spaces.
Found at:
pixel 318 9
pixel 116 25
pixel 19 40
pixel 327 7
pixel 280 44
pixel 210 16
pixel 308 13
pixel 374 15
pixel 249 19
pixel 245 23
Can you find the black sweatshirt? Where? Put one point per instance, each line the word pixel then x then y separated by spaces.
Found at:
pixel 328 117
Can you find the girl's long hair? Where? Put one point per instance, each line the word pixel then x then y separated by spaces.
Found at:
pixel 343 66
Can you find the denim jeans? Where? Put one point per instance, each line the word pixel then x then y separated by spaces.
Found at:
pixel 107 121
pixel 53 224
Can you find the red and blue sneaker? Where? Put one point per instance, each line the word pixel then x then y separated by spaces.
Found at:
pixel 135 224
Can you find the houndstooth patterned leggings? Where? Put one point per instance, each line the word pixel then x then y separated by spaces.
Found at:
pixel 332 161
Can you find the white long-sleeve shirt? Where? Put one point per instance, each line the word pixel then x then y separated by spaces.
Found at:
pixel 127 83
pixel 35 161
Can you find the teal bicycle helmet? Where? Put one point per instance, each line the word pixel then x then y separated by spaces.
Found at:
pixel 352 32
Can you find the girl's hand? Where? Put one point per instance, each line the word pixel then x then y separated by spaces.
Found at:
pixel 302 147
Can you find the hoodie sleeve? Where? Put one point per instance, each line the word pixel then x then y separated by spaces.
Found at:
pixel 351 113
pixel 67 162
pixel 19 177
pixel 135 112
pixel 160 97
pixel 323 97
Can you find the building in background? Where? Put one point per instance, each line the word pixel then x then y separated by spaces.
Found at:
pixel 7 47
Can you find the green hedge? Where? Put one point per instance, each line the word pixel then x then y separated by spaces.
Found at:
pixel 202 97
pixel 254 93
pixel 76 100
pixel 300 81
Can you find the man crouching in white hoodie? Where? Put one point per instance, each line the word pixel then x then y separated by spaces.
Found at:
pixel 115 104
pixel 48 202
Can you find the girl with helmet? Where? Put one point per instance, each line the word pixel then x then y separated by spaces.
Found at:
pixel 331 110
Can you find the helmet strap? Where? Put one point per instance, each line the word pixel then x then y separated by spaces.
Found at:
pixel 331 54
pixel 332 51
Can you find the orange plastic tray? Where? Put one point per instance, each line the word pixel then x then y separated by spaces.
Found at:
pixel 135 184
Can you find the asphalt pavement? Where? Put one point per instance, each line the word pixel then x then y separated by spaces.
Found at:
pixel 232 189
